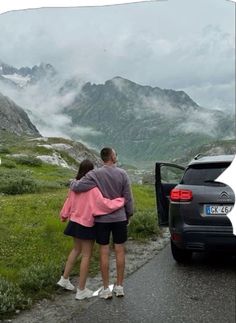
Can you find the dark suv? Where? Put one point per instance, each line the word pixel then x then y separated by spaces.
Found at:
pixel 195 206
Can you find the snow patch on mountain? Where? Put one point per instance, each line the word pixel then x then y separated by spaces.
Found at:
pixel 19 80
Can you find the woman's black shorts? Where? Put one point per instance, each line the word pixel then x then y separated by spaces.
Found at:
pixel 79 231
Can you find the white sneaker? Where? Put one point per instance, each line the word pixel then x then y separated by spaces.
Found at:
pixel 105 293
pixel 65 283
pixel 119 291
pixel 85 293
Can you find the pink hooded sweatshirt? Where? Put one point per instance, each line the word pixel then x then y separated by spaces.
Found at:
pixel 82 207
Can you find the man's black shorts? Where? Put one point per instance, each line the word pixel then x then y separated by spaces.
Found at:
pixel 118 230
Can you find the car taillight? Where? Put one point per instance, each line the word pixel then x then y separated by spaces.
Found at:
pixel 176 236
pixel 178 195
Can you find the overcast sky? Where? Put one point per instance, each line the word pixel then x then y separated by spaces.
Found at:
pixel 179 44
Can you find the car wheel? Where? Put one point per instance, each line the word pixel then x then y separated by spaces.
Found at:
pixel 180 255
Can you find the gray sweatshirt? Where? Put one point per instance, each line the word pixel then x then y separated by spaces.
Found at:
pixel 113 182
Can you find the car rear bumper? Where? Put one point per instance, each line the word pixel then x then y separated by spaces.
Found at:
pixel 199 238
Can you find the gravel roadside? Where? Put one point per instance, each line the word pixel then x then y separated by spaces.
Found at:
pixel 63 306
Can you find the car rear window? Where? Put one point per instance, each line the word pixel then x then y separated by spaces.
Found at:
pixel 203 174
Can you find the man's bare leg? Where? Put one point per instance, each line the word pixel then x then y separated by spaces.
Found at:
pixel 120 263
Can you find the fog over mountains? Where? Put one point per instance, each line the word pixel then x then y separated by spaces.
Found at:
pixel 143 123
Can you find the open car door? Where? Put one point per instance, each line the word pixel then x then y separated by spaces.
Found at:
pixel 167 176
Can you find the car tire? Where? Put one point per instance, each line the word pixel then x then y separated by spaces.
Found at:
pixel 180 255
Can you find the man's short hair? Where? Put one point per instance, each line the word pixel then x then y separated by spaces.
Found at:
pixel 106 154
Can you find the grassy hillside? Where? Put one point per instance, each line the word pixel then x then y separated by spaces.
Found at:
pixel 29 165
pixel 33 248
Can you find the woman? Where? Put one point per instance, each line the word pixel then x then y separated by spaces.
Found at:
pixel 80 209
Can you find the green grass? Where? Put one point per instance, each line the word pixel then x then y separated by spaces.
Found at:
pixel 18 178
pixel 31 230
pixel 144 197
pixel 143 224
pixel 33 248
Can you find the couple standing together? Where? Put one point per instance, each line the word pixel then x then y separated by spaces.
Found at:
pixel 104 199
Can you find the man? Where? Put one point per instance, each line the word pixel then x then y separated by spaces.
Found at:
pixel 113 182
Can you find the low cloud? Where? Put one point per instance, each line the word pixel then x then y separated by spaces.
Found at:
pixel 202 122
pixel 189 119
pixel 45 107
pixel 169 45
pixel 83 131
pixel 216 96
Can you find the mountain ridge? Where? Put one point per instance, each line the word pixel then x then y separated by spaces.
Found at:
pixel 145 123
pixel 141 122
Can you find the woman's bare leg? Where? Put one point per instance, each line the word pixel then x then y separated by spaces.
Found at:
pixel 86 252
pixel 72 257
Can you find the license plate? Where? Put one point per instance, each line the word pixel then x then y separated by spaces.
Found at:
pixel 217 209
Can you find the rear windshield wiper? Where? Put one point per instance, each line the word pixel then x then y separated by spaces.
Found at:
pixel 212 181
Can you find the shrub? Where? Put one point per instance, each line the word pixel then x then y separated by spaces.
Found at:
pixel 17 182
pixel 46 185
pixel 39 276
pixel 7 163
pixel 29 161
pixel 4 150
pixel 11 297
pixel 143 225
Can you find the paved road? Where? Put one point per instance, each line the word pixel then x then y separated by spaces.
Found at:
pixel 162 291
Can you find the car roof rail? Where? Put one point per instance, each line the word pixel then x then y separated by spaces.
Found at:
pixel 197 156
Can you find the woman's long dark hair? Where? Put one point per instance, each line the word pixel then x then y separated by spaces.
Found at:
pixel 85 166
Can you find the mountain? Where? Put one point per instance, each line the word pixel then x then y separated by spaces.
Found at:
pixel 219 147
pixel 14 119
pixel 25 75
pixel 42 92
pixel 144 123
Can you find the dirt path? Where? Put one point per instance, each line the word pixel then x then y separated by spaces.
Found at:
pixel 64 305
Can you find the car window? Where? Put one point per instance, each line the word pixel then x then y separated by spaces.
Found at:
pixel 171 174
pixel 203 174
